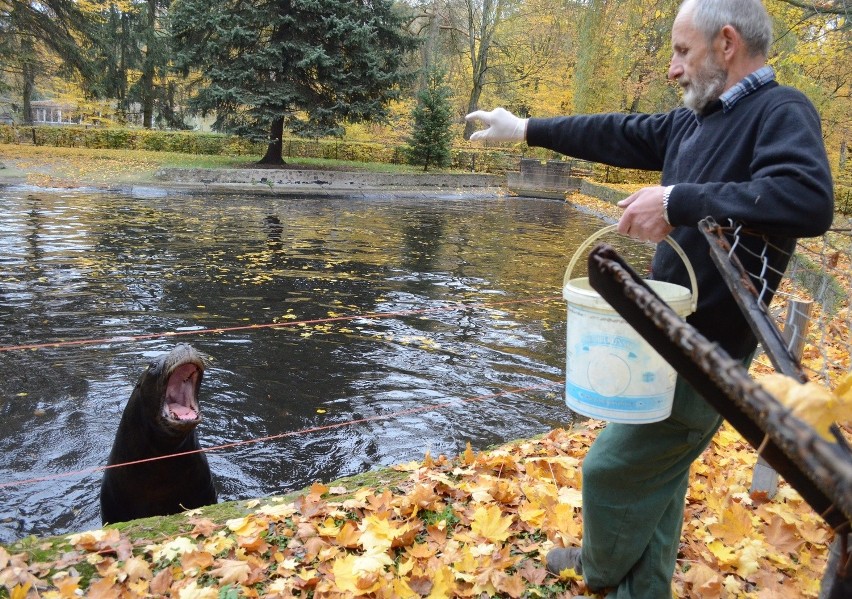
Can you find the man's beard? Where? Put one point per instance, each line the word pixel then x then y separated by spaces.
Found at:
pixel 705 87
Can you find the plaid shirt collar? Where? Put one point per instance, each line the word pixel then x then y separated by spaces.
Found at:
pixel 749 84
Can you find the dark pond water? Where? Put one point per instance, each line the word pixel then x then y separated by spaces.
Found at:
pixel 478 332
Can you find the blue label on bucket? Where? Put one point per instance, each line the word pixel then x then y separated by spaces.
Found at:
pixel 642 403
pixel 617 342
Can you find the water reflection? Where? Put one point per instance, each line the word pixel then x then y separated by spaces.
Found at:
pixel 473 284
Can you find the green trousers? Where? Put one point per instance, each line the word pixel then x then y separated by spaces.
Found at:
pixel 635 478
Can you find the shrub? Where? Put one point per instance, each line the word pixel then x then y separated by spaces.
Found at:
pixel 431 137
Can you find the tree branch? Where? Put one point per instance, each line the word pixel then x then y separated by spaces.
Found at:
pixel 835 7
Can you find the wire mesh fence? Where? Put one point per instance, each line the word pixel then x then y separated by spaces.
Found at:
pixel 817 285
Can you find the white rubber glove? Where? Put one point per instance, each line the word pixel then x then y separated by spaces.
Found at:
pixel 502 125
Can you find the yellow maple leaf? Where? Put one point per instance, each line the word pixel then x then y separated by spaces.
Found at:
pixel 843 389
pixel 400 589
pixel 407 466
pixel 195 562
pixel 20 591
pixel 569 574
pixel 812 402
pixel 468 457
pixel 481 489
pixel 218 544
pixel 137 568
pixel 562 519
pixel 571 497
pixel 249 526
pixel 489 523
pixel 172 549
pixel 466 565
pixel 93 539
pixel 348 535
pixel 531 515
pixel 443 584
pixel 562 470
pixel 193 591
pixel 328 528
pixel 231 571
pixel 748 557
pixel 280 512
pixel 66 585
pixel 723 553
pixel 317 490
pixel 307 575
pixel 360 574
pixel 735 524
pixel 377 533
pixel 139 588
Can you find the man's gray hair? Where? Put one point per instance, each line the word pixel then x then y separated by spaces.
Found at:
pixel 748 17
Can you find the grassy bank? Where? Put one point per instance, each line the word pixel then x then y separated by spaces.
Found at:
pixel 77 167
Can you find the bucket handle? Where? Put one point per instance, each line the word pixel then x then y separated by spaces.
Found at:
pixel 609 229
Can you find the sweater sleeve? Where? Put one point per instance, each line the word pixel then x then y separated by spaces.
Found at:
pixel 790 190
pixel 622 140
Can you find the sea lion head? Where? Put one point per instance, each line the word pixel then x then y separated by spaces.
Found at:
pixel 169 388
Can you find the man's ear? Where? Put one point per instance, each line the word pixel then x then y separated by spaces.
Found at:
pixel 730 42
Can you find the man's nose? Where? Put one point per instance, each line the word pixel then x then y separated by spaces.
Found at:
pixel 675 69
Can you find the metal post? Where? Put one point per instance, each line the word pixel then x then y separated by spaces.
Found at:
pixel 764 480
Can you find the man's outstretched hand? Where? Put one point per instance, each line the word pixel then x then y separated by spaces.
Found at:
pixel 502 125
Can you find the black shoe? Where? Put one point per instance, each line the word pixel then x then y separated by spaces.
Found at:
pixel 564 559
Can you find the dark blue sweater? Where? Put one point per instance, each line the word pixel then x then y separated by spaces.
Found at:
pixel 762 165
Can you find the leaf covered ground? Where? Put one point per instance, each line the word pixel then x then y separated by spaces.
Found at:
pixel 477 525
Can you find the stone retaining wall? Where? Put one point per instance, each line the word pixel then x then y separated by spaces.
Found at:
pixel 312 180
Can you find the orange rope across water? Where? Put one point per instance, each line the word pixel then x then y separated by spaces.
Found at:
pixel 314 429
pixel 269 325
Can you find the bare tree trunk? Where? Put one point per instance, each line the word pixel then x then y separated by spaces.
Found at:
pixel 273 154
pixel 481 33
pixel 27 92
pixel 28 76
pixel 122 64
pixel 430 47
pixel 586 81
pixel 472 104
pixel 148 68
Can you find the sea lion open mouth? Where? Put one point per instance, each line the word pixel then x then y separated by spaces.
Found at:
pixel 180 402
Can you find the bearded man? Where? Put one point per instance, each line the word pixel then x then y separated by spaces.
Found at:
pixel 742 149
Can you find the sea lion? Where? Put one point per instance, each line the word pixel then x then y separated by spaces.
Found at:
pixel 159 419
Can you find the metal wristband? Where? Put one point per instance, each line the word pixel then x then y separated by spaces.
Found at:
pixel 666 193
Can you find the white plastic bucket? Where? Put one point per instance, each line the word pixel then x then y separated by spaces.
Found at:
pixel 611 372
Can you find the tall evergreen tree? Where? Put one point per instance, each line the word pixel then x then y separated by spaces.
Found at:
pixel 309 65
pixel 431 138
pixel 134 60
